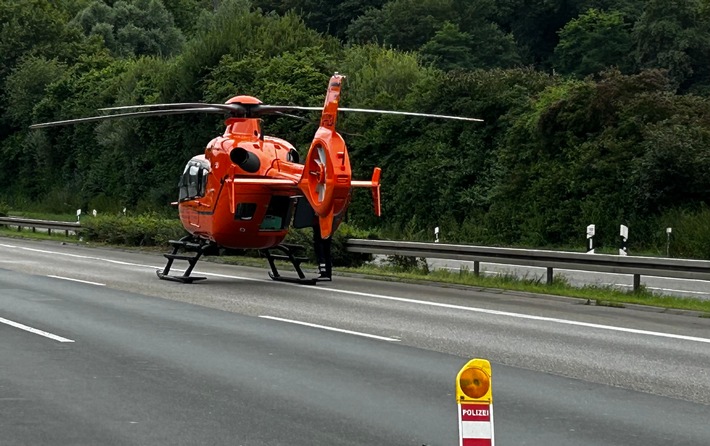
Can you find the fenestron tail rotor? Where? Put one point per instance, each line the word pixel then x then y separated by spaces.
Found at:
pixel 323 167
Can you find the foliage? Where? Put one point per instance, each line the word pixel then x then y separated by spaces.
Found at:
pixel 340 255
pixel 486 47
pixel 132 27
pixel 556 152
pixel 690 236
pixel 593 42
pixel 672 34
pixel 325 16
pixel 142 230
pixel 403 24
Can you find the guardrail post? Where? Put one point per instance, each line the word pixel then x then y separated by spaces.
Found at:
pixel 476 268
pixel 549 275
pixel 637 282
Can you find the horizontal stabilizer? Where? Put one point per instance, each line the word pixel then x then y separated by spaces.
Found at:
pixel 375 185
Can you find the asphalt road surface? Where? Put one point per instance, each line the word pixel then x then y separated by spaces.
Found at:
pixel 95 350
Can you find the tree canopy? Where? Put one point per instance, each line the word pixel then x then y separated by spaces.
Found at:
pixel 595 111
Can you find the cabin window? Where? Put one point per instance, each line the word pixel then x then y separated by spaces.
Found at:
pixel 245 211
pixel 193 182
pixel 278 213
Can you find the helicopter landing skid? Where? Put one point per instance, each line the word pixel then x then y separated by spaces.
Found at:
pixel 287 252
pixel 186 244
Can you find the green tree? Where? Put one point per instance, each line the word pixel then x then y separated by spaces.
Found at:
pixel 132 27
pixel 237 31
pixel 184 12
pixel 403 24
pixel 487 47
pixel 30 27
pixel 672 34
pixel 593 42
pixel 535 25
pixel 26 86
pixel 325 16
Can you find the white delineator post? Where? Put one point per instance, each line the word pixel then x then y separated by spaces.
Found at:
pixel 475 404
pixel 590 238
pixel 624 233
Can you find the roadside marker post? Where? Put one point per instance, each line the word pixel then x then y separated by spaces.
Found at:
pixel 474 398
pixel 624 235
pixel 591 229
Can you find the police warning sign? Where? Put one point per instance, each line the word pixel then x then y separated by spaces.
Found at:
pixel 476 425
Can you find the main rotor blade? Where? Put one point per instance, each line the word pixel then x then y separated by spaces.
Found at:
pixel 423 115
pixel 229 108
pixel 285 108
pixel 128 115
pixel 236 109
pixel 257 110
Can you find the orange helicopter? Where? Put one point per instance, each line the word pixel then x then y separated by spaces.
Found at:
pixel 248 189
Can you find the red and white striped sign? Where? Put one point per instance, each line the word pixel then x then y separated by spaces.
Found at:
pixel 476 425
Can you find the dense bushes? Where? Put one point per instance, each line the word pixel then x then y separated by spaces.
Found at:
pixel 341 257
pixel 144 230
pixel 153 230
pixel 555 152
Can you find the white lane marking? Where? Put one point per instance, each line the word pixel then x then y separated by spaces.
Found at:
pixel 417 302
pixel 76 280
pixel 525 316
pixel 34 330
pixel 325 327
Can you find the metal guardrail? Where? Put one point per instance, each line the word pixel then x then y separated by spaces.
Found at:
pixel 41 224
pixel 605 263
pixel 637 266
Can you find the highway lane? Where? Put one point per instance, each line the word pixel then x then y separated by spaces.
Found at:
pixel 610 354
pixel 150 371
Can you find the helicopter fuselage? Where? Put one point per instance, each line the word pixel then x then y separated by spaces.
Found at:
pixel 220 199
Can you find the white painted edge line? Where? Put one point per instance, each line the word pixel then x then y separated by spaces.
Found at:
pixel 530 317
pixel 77 280
pixel 412 301
pixel 325 327
pixel 34 330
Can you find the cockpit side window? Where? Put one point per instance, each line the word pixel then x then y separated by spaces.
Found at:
pixel 193 182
